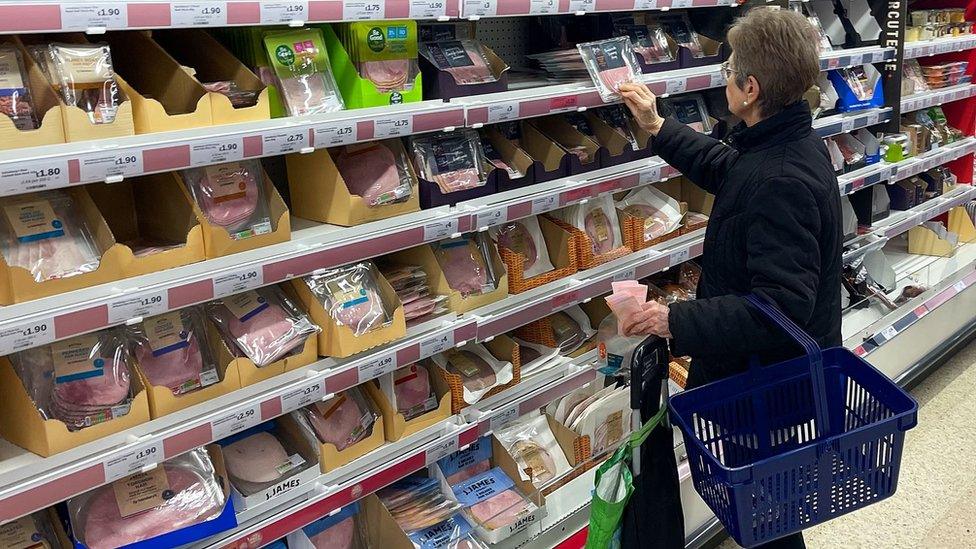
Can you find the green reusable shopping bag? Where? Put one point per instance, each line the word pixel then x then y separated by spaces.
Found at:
pixel 612 489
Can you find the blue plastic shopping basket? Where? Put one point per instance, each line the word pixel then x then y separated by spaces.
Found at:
pixel 781 448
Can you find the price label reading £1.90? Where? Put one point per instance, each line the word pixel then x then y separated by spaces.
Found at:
pixel 103 165
pixel 108 15
pixel 427 9
pixel 235 422
pixel 442 449
pixel 238 281
pixel 25 336
pixel 142 304
pixel 380 365
pixel 198 14
pixel 133 461
pixel 217 151
pixel 283 12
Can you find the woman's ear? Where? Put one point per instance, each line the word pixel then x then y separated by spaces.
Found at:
pixel 752 89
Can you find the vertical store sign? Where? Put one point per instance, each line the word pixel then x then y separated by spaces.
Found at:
pixel 892 17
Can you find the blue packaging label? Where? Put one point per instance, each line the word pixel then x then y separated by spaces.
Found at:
pixel 442 534
pixel 481 487
pixel 480 450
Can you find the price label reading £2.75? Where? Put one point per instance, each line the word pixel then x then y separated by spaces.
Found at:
pixel 26 336
pixel 235 422
pixel 283 142
pixel 133 461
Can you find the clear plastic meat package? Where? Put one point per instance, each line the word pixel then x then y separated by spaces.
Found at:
pixel 81 381
pixel 661 213
pixel 263 324
pixel 180 492
pixel 492 502
pixel 302 66
pixel 467 263
pixel 598 219
pixel 453 161
pixel 260 457
pixel 525 237
pixel 342 530
pixel 15 96
pixel 34 531
pixel 480 372
pixel 534 447
pixel 376 171
pixel 342 421
pixel 417 503
pixel 464 464
pixel 173 350
pixel 232 196
pixel 465 60
pixel 610 63
pixel 85 77
pixel 413 391
pixel 570 328
pixel 352 297
pixel 47 234
pixel 536 358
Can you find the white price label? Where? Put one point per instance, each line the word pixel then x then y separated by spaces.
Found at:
pixel 716 79
pixel 442 450
pixel 545 204
pixel 889 332
pixel 494 216
pixel 626 274
pixel 959 286
pixel 33 176
pixel 679 257
pixel 217 151
pixel 283 142
pixel 679 4
pixel 143 304
pixel 676 85
pixel 645 4
pixel 538 7
pixel 582 5
pixel 235 422
pixel 856 59
pixel 26 336
pixel 198 14
pixel 499 420
pixel 873 118
pixel 427 9
pixel 500 112
pixel 359 10
pixel 283 12
pixel 437 344
pixel 479 8
pixel 378 366
pixel 132 462
pixel 103 165
pixel 393 127
pixel 650 175
pixel 311 391
pixel 440 229
pixel 336 133
pixel 846 125
pixel 108 15
pixel 238 281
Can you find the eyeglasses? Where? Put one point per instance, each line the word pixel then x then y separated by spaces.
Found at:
pixel 727 70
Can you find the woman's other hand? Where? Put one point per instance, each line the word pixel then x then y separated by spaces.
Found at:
pixel 653 320
pixel 643 105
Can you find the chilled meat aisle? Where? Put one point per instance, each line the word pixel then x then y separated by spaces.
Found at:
pixel 477 343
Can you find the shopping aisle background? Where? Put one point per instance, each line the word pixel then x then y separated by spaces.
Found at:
pixel 935 506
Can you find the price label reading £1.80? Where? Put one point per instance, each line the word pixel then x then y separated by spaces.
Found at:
pixel 217 151
pixel 33 176
pixel 235 422
pixel 283 12
pixel 442 449
pixel 238 281
pixel 198 14
pixel 133 461
pixel 142 304
pixel 26 336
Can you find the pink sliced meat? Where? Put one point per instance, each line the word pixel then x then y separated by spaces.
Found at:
pixel 255 458
pixel 225 211
pixel 342 422
pixel 600 231
pixel 418 308
pixel 370 172
pixel 476 374
pixel 518 239
pixel 174 368
pixel 192 503
pixel 387 75
pixel 306 94
pixel 463 268
pixel 266 336
pixel 477 73
pixel 411 386
pixel 500 510
pixel 337 536
pixel 54 258
pixel 101 391
pixel 458 180
pixel 469 471
pixel 613 78
pixel 362 317
pixel 533 457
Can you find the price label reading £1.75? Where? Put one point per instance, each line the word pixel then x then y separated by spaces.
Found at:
pixel 336 133
pixel 133 461
pixel 393 127
pixel 358 10
pixel 235 422
pixel 26 336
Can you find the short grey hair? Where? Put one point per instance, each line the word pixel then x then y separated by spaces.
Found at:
pixel 780 49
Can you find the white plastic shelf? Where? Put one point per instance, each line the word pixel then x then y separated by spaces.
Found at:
pixel 941 96
pixel 946 44
pixel 477 9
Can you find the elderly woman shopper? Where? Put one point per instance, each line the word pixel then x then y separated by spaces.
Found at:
pixel 774 231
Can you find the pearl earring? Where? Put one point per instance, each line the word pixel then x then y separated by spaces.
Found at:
pixel 745 103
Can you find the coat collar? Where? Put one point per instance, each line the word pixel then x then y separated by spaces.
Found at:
pixel 791 123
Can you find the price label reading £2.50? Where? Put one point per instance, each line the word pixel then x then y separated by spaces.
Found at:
pixel 235 422
pixel 26 336
pixel 133 461
pixel 143 304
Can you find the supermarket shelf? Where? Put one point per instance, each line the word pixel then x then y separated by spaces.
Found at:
pixel 891 172
pixel 941 96
pixel 936 46
pixel 846 122
pixel 477 9
pixel 112 160
pixel 98 17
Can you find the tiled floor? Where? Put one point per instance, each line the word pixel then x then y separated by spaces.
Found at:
pixel 935 506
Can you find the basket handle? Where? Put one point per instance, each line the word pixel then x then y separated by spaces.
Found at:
pixel 810 347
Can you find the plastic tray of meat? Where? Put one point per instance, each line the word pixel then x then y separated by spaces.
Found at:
pixel 610 63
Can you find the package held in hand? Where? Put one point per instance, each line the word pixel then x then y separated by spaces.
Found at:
pixel 610 63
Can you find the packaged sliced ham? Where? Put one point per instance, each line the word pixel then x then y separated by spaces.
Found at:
pixel 417 503
pixel 232 196
pixel 81 381
pixel 454 160
pixel 454 533
pixel 495 158
pixel 464 464
pixel 384 52
pixel 534 447
pixel 263 324
pixel 47 234
pixel 492 500
pixel 465 60
pixel 15 97
pixel 649 40
pixel 467 263
pixel 172 350
pixel 536 358
pixel 376 171
pixel 33 531
pixel 259 457
pixel 605 421
pixel 561 408
pixel 660 212
pixel 343 420
pixel 524 237
pixel 680 29
pixel 413 392
pixel 690 110
pixel 598 219
pixel 410 284
pixel 228 88
pixel 570 328
pixel 181 492
pixel 342 530
pixel 85 78
pixel 352 297
pixel 301 64
pixel 480 371
pixel 610 63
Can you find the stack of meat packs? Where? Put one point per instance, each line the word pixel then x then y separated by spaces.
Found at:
pixel 465 60
pixel 384 52
pixel 410 284
pixel 351 295
pixel 453 161
pixel 601 413
pixel 629 297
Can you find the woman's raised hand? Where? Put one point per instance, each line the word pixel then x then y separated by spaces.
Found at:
pixel 643 105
